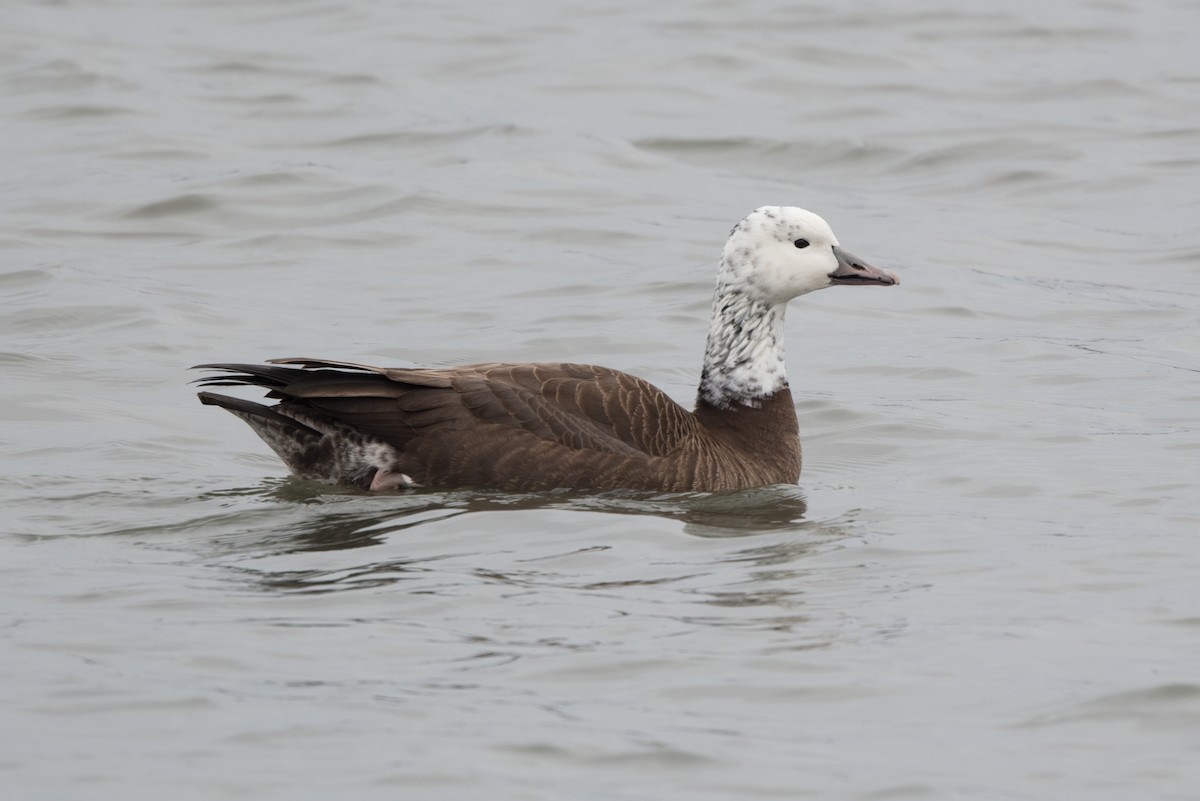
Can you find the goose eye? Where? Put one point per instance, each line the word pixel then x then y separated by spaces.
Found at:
pixel 801 243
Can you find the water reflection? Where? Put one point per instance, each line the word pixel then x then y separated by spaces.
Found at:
pixel 364 576
pixel 725 514
pixel 311 518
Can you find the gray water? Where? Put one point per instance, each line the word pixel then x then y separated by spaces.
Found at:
pixel 986 585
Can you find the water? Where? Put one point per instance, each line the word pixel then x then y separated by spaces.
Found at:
pixel 984 586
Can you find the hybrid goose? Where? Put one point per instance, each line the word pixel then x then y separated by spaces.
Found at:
pixel 545 426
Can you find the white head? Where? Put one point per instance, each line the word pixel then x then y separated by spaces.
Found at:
pixel 779 252
pixel 775 254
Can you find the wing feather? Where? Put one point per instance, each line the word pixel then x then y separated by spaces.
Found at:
pixel 580 407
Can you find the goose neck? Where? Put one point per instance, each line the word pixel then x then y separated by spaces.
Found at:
pixel 744 354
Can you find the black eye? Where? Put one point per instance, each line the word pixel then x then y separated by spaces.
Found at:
pixel 801 243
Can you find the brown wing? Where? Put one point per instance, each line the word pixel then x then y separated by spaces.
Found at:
pixel 581 407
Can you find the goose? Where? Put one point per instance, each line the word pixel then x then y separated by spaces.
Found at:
pixel 542 426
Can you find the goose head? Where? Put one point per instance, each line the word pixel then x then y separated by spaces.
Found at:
pixel 780 252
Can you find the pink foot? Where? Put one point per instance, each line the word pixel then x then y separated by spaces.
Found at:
pixel 386 479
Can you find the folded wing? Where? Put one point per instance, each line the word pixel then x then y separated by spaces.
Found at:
pixel 578 407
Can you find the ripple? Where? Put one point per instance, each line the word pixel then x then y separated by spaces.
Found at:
pixel 24 280
pixel 79 111
pixel 1164 707
pixel 184 204
pixel 422 138
pixel 75 318
pixel 764 152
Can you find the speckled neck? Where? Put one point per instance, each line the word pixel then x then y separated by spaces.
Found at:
pixel 744 359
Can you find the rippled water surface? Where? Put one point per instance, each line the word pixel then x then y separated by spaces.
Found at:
pixel 986 585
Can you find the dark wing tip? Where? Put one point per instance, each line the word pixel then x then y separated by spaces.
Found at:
pixel 227 402
pixel 328 364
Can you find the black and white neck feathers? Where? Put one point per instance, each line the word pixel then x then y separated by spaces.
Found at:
pixel 744 356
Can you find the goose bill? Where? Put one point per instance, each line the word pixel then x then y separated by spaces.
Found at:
pixel 854 271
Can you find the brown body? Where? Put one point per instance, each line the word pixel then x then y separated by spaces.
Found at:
pixel 511 426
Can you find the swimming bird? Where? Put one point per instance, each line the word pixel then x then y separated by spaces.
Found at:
pixel 541 426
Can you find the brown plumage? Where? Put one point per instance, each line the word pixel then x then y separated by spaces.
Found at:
pixel 510 426
pixel 545 426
